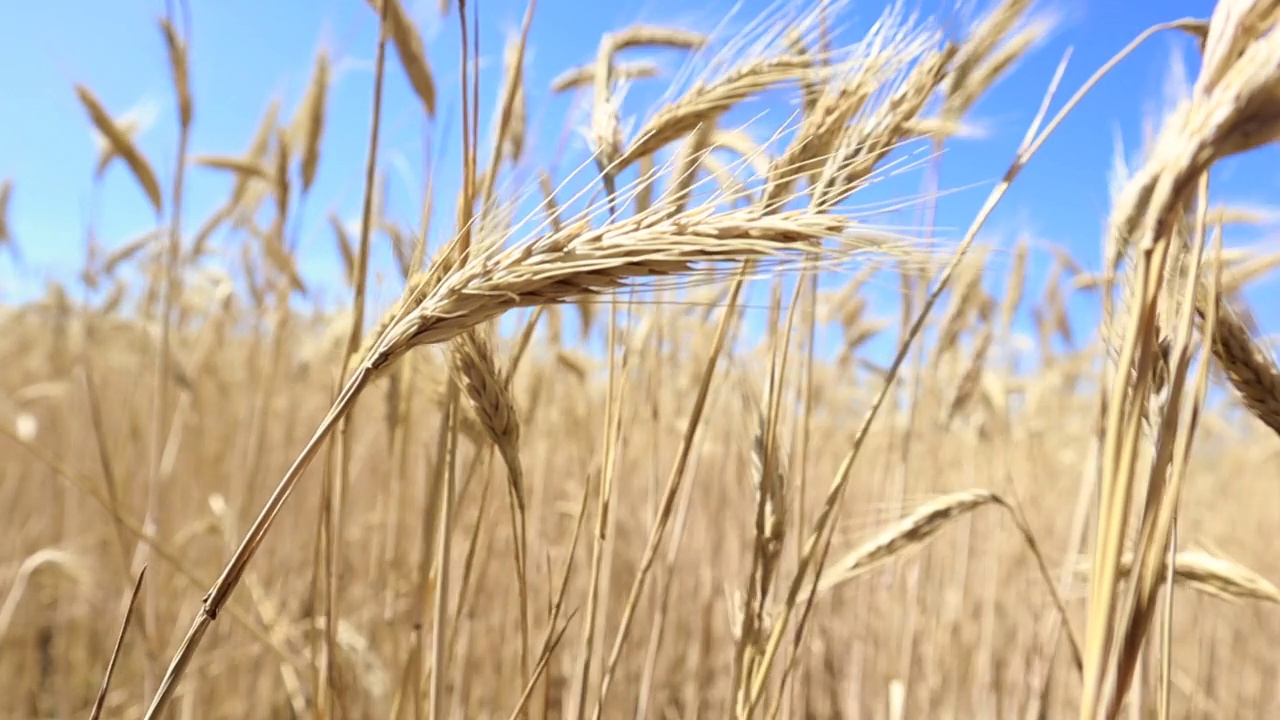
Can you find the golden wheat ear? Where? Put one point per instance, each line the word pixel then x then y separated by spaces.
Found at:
pixel 1249 366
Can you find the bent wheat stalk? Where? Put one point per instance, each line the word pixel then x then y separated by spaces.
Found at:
pixel 553 268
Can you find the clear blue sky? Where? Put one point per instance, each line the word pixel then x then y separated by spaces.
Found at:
pixel 245 51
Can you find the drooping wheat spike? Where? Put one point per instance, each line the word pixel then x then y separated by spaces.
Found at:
pixel 346 250
pixel 1088 282
pixel 850 312
pixel 583 75
pixel 1238 215
pixel 402 248
pixel 580 261
pixel 864 145
pixel 514 140
pixel 770 482
pixel 907 534
pixel 71 566
pixel 127 251
pixel 657 36
pixel 131 124
pixel 988 54
pixel 849 294
pixel 123 146
pixel 964 301
pixel 1228 113
pixel 243 168
pixel 971 376
pixel 179 70
pixel 256 155
pixel 1227 578
pixel 606 128
pixel 1057 316
pixel 984 39
pixel 1236 276
pixel 1013 289
pixel 413 58
pixel 6 192
pixel 307 127
pixel 1216 576
pixel 859 335
pixel 706 102
pixel 474 366
pixel 845 89
pixel 578 364
pixel 1248 365
pixel 809 90
pixel 473 361
pixel 282 261
pixel 272 241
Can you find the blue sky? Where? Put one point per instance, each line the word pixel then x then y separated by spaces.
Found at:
pixel 243 52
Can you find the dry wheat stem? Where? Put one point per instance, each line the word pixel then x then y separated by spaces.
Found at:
pixel 96 711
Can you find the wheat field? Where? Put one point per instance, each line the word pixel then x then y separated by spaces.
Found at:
pixel 627 439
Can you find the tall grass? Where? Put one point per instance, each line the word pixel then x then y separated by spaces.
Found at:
pixel 452 510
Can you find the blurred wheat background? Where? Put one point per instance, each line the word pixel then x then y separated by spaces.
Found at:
pixel 682 404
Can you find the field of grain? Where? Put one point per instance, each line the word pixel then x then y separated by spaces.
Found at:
pixel 628 441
